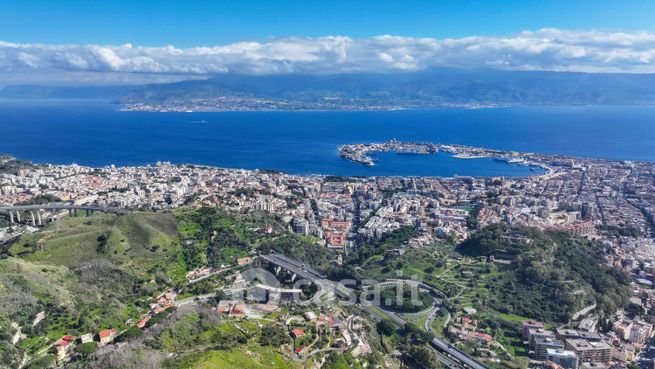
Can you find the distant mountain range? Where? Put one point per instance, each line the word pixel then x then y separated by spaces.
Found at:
pixel 424 89
pixel 67 92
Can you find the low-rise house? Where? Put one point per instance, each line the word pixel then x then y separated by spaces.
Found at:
pixel 142 323
pixel 107 335
pixel 63 347
pixel 297 333
pixel 477 337
pixel 86 338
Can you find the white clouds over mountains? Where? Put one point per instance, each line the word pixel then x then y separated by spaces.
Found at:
pixel 546 49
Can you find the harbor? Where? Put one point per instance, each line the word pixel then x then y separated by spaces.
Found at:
pixel 362 153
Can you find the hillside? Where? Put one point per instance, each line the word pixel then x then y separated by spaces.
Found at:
pixel 88 274
pixel 101 271
pixel 551 275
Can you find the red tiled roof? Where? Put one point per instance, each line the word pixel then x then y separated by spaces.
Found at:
pixel 106 333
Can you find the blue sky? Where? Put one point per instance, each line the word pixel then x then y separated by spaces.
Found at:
pixel 139 41
pixel 186 23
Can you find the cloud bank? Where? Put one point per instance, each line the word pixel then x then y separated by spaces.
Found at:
pixel 546 49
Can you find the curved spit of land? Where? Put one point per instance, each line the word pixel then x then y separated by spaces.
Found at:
pixel 361 153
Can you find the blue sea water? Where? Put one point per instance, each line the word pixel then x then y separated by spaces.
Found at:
pixel 96 134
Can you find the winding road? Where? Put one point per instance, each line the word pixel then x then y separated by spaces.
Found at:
pixel 447 353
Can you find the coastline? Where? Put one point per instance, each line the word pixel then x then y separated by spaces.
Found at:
pixel 361 153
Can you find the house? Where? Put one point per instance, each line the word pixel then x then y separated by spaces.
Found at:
pixel 334 322
pixel 86 338
pixel 233 308
pixel 481 338
pixel 321 320
pixel 142 323
pixel 224 306
pixel 107 335
pixel 63 347
pixel 297 333
pixel 310 315
pixel 161 309
pixel 239 311
pixel 470 311
pixel 244 261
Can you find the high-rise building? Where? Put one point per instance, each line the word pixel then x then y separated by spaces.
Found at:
pixel 567 359
pixel 593 352
pixel 542 344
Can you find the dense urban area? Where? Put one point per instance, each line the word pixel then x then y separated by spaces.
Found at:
pixel 170 266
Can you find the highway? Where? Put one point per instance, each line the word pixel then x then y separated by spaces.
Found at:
pixel 325 284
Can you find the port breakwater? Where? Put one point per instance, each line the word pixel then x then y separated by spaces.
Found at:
pixel 361 153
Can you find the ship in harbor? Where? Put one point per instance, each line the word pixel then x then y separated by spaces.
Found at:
pixel 510 160
pixel 469 156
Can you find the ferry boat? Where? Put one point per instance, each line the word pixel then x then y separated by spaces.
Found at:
pixel 468 156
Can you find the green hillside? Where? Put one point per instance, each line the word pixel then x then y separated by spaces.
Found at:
pixel 551 275
pixel 86 274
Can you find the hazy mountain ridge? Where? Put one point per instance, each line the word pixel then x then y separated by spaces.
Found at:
pixel 63 92
pixel 433 87
pixel 429 88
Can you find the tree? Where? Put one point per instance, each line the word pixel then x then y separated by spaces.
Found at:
pixel 274 335
pixel 423 356
pixel 386 327
pixel 130 334
pixel 86 349
pixel 103 243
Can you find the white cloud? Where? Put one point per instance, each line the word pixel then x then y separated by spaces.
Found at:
pixel 546 49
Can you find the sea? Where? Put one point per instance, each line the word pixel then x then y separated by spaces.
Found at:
pixel 97 134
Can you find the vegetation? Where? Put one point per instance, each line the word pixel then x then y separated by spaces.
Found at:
pixel 41 199
pixel 388 242
pixel 214 237
pixel 620 231
pixel 87 274
pixel 274 335
pixel 335 361
pixel 200 338
pixel 551 275
pixel 406 304
pixel 423 357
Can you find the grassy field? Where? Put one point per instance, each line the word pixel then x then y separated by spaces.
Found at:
pixel 253 357
pixel 63 271
pixel 205 341
pixel 140 242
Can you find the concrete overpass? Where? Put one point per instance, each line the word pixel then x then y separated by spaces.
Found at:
pixel 15 211
pixel 447 353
